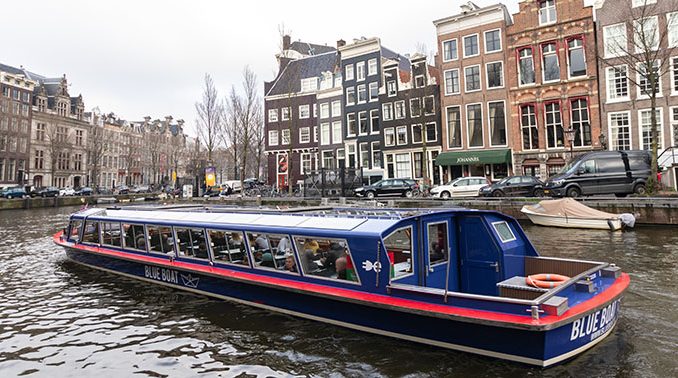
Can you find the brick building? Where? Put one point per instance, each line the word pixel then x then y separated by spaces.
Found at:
pixel 553 84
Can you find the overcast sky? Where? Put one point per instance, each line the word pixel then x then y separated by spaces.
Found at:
pixel 142 57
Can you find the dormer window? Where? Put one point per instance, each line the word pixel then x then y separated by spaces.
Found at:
pixel 547 12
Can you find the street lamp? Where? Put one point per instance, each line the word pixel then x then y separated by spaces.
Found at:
pixel 569 136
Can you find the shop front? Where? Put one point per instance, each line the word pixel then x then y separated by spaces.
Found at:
pixel 493 164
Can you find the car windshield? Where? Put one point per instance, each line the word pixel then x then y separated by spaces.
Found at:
pixel 569 167
pixel 503 181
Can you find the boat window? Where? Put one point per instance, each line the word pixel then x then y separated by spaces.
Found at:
pixel 272 251
pixel 228 246
pixel 438 244
pixel 504 231
pixel 133 236
pixel 74 231
pixel 161 240
pixel 329 258
pixel 110 234
pixel 399 248
pixel 191 242
pixel 91 234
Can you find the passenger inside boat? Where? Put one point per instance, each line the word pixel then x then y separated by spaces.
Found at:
pixel 91 234
pixel 228 247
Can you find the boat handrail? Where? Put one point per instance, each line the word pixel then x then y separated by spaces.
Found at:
pixel 552 292
pixel 456 294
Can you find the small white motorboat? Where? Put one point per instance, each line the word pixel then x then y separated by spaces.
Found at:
pixel 567 212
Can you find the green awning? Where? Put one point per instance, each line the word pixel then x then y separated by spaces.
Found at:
pixel 474 157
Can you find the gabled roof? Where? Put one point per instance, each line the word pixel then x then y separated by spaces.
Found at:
pixel 305 48
pixel 312 66
pixel 10 69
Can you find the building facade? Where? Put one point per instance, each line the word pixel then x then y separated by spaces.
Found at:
pixel 472 59
pixel 625 103
pixel 553 85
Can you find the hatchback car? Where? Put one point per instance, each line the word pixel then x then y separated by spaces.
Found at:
pixel 517 186
pixel 66 192
pixel 460 187
pixel 48 191
pixel 122 189
pixel 86 191
pixel 10 193
pixel 389 187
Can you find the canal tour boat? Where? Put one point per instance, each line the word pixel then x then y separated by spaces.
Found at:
pixel 454 278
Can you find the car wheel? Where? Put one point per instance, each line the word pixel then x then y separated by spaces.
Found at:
pixel 538 193
pixel 573 192
pixel 9 197
pixel 640 189
pixel 44 195
pixel 445 195
pixel 370 195
pixel 408 194
pixel 497 193
pixel 620 195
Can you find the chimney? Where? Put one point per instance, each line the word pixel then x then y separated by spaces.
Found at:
pixel 341 43
pixel 286 40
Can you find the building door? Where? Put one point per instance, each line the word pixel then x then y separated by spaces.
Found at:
pixel 479 257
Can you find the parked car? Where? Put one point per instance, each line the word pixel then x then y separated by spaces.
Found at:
pixel 122 189
pixel 388 187
pixel 17 192
pixel 212 192
pixel 141 189
pixel 47 191
pixel 602 172
pixel 251 182
pixel 518 186
pixel 460 187
pixel 66 192
pixel 84 191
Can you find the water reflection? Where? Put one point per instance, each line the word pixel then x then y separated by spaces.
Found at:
pixel 58 318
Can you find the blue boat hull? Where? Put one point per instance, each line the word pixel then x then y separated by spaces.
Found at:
pixel 521 344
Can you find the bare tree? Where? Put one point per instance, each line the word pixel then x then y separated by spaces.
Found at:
pixel 232 128
pixel 153 147
pixel 176 149
pixel 96 149
pixel 249 115
pixel 259 145
pixel 646 53
pixel 210 117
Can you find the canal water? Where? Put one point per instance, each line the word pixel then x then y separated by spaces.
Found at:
pixel 59 319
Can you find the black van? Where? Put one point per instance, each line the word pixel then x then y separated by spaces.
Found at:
pixel 602 172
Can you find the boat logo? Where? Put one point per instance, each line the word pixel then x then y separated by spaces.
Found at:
pixel 190 281
pixel 369 265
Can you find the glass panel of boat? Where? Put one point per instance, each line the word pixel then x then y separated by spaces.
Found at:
pixel 111 234
pixel 438 243
pixel 134 237
pixel 161 239
pixel 399 248
pixel 272 251
pixel 228 247
pixel 326 258
pixel 74 231
pixel 91 233
pixel 191 242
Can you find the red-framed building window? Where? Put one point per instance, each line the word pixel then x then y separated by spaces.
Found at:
pixel 528 126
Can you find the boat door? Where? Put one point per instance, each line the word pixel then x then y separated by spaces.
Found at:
pixel 480 258
pixel 437 241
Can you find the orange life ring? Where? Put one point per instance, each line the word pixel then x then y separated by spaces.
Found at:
pixel 546 280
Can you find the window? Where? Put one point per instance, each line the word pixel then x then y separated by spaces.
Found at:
pixel 286 137
pixel 315 134
pixel 326 258
pixel 454 126
pixel 91 232
pixel 73 227
pixel 575 57
pixel 672 27
pixel 79 137
pixel 674 125
pixel 389 137
pixel 349 72
pixel 429 105
pixel 374 91
pixel 417 165
pixel 273 137
pixel 305 163
pixel 376 155
pixel 40 131
pixel 371 67
pixel 364 155
pixel 640 3
pixel 431 132
pixel 615 43
pixel 492 41
pixel 470 45
pixel 111 234
pixel 324 134
pixel 449 50
pixel 580 122
pixel 374 121
pixel 674 78
pixel 336 108
pixel 286 113
pixel 399 250
pixel 554 125
pixel 400 109
pixel 617 83
pixel 351 126
pixel 304 135
pixel 401 135
pixel 416 133
pixel 387 111
pixel 228 247
pixel 504 231
pixel 472 78
pixel 525 66
pixel 551 68
pixel 350 96
pixel 304 111
pixel 324 110
pixel 39 161
pixel 497 117
pixel 362 93
pixel 391 88
pixel 336 132
pixel 451 82
pixel 645 78
pixel 438 243
pixel 328 160
pixel 547 12
pixel 495 75
pixel 272 251
pixel 309 84
pixel 362 123
pixel 619 130
pixel 528 125
pixel 415 107
pixel 645 117
pixel 360 71
pixel 474 123
pixel 419 81
pixel 646 34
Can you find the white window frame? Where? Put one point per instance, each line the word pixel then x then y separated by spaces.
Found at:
pixel 304 111
pixel 674 75
pixel 640 3
pixel 463 43
pixel 423 104
pixel 357 92
pixel 349 72
pixel 360 67
pixel 337 133
pixel 272 115
pixel 489 124
pixel 567 57
pixel 273 138
pixel 348 128
pixel 548 21
pixel 388 90
pixel 325 140
pixel 384 112
pixel 372 151
pixel 501 44
pixel 325 110
pixel 289 137
pixel 672 21
pixel 309 84
pixel 534 67
pixel 284 110
pixel 372 67
pixel 487 76
pixel 442 44
pixel 660 129
pixel 637 26
pixel 371 118
pixel 609 128
pixel 367 123
pixel 421 133
pixel 461 127
pixel 355 98
pixel 610 51
pixel 674 125
pixel 395 106
pixel 370 86
pixel 304 135
pixel 543 65
pixel 425 132
pixel 609 75
pixel 482 127
pixel 397 128
pixel 480 79
pixel 391 131
pixel 639 92
pixel 445 82
pixel 336 108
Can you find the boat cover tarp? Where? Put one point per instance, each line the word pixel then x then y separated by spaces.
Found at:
pixel 569 207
